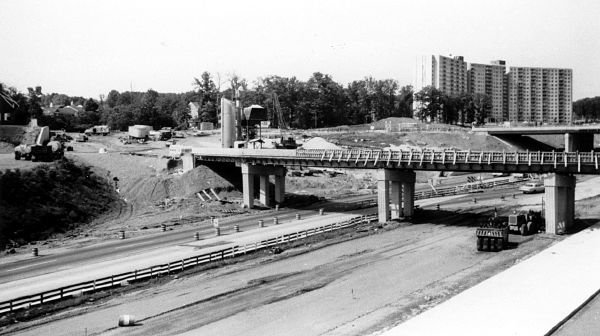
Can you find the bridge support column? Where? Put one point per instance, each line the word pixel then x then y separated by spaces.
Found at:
pixel 560 203
pixel 248 189
pixel 409 197
pixel 396 196
pixel 189 162
pixel 583 142
pixel 248 173
pixel 280 188
pixel 401 180
pixel 264 189
pixel 383 200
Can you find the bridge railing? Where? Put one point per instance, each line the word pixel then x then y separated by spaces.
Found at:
pixel 451 157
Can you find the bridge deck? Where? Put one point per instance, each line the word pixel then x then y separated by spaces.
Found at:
pixel 532 130
pixel 472 161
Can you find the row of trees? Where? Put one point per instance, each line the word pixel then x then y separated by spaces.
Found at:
pixel 317 102
pixel 587 109
pixel 466 108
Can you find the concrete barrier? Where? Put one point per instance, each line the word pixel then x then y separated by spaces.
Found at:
pixel 126 320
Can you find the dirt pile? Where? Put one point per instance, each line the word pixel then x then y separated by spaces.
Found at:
pixel 319 143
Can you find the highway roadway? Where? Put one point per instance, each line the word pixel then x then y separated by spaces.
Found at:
pixel 178 235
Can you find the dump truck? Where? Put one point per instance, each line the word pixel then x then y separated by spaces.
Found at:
pixel 492 236
pixel 528 223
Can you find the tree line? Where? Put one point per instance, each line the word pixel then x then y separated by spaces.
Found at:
pixel 587 109
pixel 466 108
pixel 316 102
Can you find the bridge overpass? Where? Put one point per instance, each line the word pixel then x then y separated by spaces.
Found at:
pixel 577 138
pixel 396 172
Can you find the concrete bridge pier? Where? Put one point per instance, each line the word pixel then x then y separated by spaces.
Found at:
pixel 188 161
pixel 264 172
pixel 583 142
pixel 560 203
pixel 402 193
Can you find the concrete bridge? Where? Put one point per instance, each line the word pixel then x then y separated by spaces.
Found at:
pixel 577 138
pixel 396 172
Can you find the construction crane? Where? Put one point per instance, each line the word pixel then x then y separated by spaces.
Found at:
pixel 281 121
pixel 287 141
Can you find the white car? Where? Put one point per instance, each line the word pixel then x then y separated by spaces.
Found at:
pixel 532 187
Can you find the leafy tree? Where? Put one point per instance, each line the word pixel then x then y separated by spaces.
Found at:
pixel 405 101
pixel 113 98
pixel 35 95
pixel 90 105
pixel 206 96
pixel 430 102
pixel 480 105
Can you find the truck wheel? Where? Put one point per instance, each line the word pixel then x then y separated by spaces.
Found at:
pixel 479 244
pixel 523 229
pixel 486 244
pixel 17 156
pixel 27 156
pixel 531 228
pixel 500 244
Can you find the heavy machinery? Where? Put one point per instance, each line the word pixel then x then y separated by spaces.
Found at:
pixel 528 223
pixel 102 129
pixel 44 149
pixel 493 235
pixel 166 133
pixel 23 151
pixel 286 142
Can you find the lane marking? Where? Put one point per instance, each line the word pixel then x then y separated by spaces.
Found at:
pixel 18 268
pixel 120 247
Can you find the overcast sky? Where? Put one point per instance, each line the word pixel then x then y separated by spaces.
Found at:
pixel 87 48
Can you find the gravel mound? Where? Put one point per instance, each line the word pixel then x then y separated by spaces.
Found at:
pixel 319 143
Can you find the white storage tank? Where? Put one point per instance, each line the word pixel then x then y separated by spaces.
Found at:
pixel 139 131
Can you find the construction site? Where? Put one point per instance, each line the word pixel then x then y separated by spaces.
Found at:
pixel 325 286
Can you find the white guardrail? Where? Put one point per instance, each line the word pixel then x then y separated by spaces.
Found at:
pixel 452 157
pixel 172 267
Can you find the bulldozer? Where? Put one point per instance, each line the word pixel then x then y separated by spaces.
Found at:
pixel 527 223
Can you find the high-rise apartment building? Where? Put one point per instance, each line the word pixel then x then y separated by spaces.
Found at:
pixel 523 94
pixel 448 74
pixel 490 79
pixel 540 95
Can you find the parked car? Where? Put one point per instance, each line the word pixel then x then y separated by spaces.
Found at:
pixel 532 187
pixel 170 142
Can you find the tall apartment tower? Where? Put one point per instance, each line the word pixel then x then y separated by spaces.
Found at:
pixel 491 79
pixel 448 74
pixel 540 95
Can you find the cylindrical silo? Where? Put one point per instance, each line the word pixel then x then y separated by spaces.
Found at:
pixel 227 123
